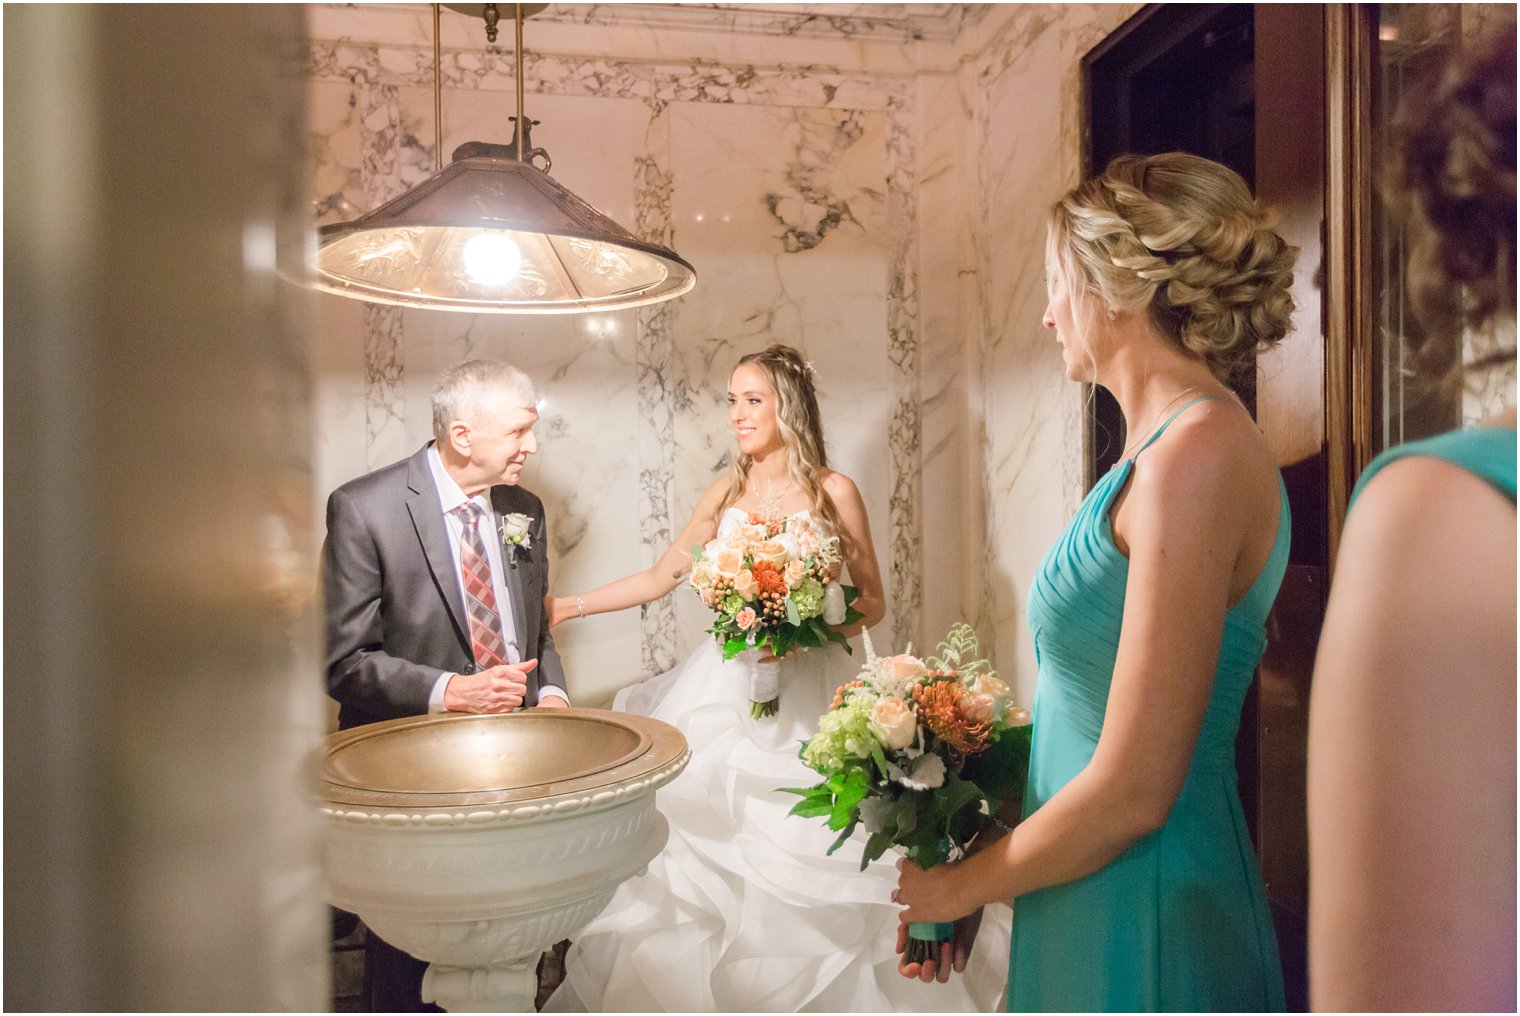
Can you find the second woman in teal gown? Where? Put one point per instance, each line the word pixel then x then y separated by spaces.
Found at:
pixel 1133 880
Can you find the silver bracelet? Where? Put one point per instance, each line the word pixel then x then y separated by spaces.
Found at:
pixel 1000 823
pixel 580 605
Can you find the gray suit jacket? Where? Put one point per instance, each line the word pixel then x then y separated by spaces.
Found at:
pixel 395 619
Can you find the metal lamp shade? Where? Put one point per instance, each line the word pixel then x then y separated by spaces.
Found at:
pixel 491 234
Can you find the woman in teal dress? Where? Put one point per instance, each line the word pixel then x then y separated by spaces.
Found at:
pixel 1412 719
pixel 1133 880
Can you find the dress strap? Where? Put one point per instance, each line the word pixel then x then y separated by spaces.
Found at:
pixel 1162 429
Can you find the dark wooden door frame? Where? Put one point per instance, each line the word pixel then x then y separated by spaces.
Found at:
pixel 1351 311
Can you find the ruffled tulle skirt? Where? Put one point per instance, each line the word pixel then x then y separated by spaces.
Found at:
pixel 743 911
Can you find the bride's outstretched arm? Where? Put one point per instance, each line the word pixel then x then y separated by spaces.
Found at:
pixel 654 581
pixel 859 551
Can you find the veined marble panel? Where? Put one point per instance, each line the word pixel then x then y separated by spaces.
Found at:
pixel 1028 111
pixel 554 74
pixel 797 41
pixel 949 352
pixel 904 22
pixel 905 437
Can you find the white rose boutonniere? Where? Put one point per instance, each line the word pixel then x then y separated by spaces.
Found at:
pixel 516 530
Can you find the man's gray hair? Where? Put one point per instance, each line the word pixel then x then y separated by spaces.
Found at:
pixel 471 388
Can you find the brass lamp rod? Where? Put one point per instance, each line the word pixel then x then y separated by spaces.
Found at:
pixel 522 134
pixel 437 91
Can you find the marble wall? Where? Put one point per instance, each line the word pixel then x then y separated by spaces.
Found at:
pixel 869 187
pixel 1024 105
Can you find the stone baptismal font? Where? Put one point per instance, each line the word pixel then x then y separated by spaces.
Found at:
pixel 476 842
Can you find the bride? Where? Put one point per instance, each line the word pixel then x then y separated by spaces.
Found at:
pixel 743 911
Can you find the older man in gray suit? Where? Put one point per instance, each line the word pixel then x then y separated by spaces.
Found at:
pixel 435 570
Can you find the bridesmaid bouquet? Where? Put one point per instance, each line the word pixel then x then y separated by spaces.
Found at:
pixel 921 752
pixel 773 583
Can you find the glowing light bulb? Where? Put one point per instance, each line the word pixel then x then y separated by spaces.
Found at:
pixel 491 259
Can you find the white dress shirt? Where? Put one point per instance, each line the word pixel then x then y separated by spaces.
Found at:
pixel 450 497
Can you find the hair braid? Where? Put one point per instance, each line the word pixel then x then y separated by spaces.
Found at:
pixel 1182 238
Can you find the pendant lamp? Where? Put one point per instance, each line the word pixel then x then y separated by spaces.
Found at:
pixel 495 233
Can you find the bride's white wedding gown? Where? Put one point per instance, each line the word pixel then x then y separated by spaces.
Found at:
pixel 743 911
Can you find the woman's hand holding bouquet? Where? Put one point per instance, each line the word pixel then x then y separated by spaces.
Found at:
pixel 921 752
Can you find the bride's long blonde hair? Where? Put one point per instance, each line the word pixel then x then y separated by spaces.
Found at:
pixel 801 428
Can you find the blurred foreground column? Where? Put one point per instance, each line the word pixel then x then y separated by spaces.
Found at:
pixel 161 692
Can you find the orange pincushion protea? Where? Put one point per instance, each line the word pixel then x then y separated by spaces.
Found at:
pixel 939 707
pixel 773 523
pixel 769 579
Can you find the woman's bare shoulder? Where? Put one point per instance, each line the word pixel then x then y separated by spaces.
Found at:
pixel 1210 452
pixel 837 485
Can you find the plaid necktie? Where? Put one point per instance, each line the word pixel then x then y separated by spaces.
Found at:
pixel 479 595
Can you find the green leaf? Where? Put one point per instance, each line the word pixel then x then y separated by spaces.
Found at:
pixel 733 647
pixel 853 791
pixel 925 845
pixel 698 553
pixel 877 845
pixel 812 808
pixel 903 818
pixel 1003 768
pixel 844 836
pixel 792 617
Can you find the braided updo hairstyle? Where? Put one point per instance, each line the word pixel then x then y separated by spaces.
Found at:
pixel 1181 238
pixel 801 427
pixel 1454 177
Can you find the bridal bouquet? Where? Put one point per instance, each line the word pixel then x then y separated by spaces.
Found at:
pixel 921 752
pixel 773 583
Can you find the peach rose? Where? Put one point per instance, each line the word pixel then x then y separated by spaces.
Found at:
pixel 979 708
pixel 770 552
pixel 794 572
pixel 729 562
pixel 992 687
pixel 745 584
pixel 900 669
pixel 893 723
pixel 747 618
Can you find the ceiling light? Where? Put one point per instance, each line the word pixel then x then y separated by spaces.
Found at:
pixel 495 233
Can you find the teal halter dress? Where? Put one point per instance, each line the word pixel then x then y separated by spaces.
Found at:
pixel 1179 921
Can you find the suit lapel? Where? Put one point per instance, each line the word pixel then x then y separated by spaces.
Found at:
pixel 500 505
pixel 427 519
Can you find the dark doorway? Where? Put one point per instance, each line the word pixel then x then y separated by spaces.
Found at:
pixel 1175 77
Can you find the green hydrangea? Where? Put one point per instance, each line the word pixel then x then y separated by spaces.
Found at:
pixel 733 603
pixel 844 735
pixel 808 598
